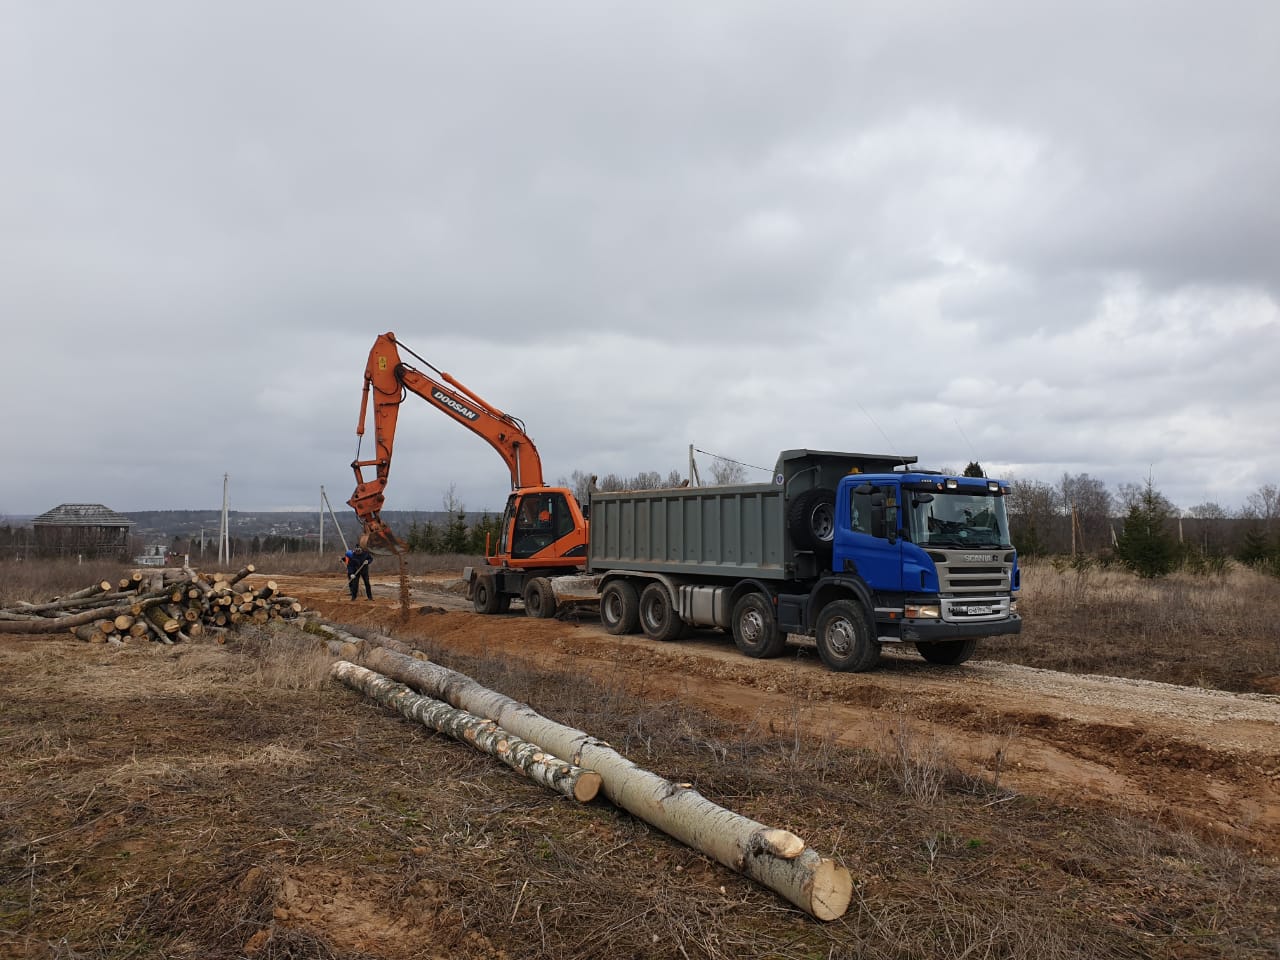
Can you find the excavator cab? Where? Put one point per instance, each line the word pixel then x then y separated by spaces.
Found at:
pixel 534 521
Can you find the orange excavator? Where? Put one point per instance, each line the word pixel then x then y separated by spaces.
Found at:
pixel 543 531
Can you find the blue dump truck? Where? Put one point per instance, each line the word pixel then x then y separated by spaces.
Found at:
pixel 853 550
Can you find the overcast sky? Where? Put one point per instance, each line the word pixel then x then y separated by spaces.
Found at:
pixel 1049 241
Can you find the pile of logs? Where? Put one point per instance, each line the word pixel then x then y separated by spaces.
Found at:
pixel 164 606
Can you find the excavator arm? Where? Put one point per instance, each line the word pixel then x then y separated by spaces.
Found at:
pixel 388 379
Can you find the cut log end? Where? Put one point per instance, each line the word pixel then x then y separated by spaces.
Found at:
pixel 587 786
pixel 831 891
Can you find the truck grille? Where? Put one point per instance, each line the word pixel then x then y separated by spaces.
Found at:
pixel 972 571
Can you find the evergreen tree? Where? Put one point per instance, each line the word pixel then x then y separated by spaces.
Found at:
pixel 1146 546
pixel 1255 549
pixel 485 531
pixel 1027 541
pixel 454 539
pixel 974 469
pixel 424 538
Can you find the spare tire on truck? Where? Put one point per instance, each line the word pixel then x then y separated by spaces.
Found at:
pixel 811 521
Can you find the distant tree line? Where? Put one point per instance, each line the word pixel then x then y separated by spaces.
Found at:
pixel 1139 527
pixel 1076 518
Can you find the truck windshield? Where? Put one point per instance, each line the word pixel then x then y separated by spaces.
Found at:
pixel 957 520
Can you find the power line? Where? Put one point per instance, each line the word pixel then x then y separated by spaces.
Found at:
pixel 717 456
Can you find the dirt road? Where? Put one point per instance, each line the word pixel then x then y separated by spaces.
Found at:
pixel 1208 757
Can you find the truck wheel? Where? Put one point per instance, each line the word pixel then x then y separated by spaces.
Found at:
pixel 539 600
pixel 948 652
pixel 755 628
pixel 658 617
pixel 844 637
pixel 811 520
pixel 484 596
pixel 620 608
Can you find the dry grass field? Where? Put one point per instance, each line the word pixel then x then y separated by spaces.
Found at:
pixel 1211 630
pixel 227 801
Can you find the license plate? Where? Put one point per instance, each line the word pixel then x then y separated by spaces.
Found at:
pixel 977 611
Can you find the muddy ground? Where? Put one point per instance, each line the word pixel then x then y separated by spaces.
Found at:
pixel 206 800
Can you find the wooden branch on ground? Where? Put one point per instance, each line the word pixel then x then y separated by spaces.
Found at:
pixel 776 858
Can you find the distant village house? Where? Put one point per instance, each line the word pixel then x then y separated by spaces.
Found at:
pixel 84 530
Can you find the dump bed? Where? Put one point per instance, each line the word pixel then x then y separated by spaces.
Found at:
pixel 730 531
pixel 734 531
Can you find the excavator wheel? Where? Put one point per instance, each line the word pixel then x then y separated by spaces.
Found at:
pixel 539 600
pixel 485 597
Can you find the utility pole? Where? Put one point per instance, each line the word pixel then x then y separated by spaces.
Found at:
pixel 224 538
pixel 322 498
pixel 341 536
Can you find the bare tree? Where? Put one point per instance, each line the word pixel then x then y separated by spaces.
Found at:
pixel 580 483
pixel 1130 495
pixel 726 472
pixel 1087 503
pixel 1034 508
pixel 1263 505
pixel 1211 526
pixel 644 480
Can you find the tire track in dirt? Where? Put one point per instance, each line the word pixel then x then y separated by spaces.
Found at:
pixel 1209 757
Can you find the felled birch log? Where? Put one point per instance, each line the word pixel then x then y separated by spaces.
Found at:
pixel 778 859
pixel 58 624
pixel 336 638
pixel 486 736
pixel 53 607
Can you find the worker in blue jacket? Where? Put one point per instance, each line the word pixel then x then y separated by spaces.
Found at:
pixel 357 563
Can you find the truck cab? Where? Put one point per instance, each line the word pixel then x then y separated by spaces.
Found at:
pixel 934 552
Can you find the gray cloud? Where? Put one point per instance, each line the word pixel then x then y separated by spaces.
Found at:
pixel 1044 239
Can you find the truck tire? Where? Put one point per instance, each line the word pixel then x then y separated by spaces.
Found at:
pixel 658 616
pixel 484 596
pixel 845 641
pixel 539 599
pixel 948 652
pixel 811 520
pixel 755 628
pixel 620 608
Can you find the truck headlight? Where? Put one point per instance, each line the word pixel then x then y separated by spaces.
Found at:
pixel 924 611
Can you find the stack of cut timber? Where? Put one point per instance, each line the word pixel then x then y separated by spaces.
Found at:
pixel 165 606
